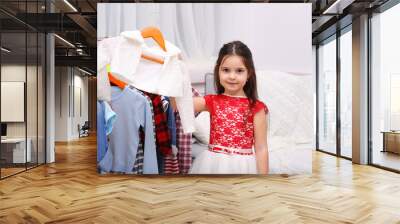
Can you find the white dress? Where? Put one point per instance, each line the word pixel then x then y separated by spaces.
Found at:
pixel 210 162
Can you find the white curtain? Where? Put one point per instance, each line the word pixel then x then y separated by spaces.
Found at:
pixel 279 35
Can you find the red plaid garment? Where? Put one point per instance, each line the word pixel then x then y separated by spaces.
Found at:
pixel 163 141
pixel 184 142
pixel 171 165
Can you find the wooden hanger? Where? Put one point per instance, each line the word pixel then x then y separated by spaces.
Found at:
pixel 157 36
pixel 114 80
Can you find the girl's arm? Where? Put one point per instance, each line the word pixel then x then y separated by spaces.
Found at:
pixel 260 137
pixel 199 104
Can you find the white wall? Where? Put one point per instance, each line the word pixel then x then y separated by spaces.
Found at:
pixel 14 73
pixel 68 83
pixel 80 83
pixel 314 91
pixel 61 103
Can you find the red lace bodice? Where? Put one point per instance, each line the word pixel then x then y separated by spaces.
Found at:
pixel 232 120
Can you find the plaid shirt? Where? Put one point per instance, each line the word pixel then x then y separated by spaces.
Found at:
pixel 138 166
pixel 171 165
pixel 184 142
pixel 163 142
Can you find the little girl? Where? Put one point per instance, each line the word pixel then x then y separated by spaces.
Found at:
pixel 238 119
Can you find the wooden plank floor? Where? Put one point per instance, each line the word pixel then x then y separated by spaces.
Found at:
pixel 10 171
pixel 71 191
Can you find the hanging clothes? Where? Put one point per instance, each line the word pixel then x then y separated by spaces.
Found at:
pixel 163 141
pixel 138 166
pixel 109 116
pixel 101 131
pixel 124 52
pixel 171 161
pixel 105 121
pixel 124 139
pixel 184 142
pixel 171 120
pixel 171 164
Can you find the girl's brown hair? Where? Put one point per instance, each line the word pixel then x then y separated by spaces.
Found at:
pixel 240 49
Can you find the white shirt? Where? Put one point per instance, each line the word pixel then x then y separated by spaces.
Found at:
pixel 123 53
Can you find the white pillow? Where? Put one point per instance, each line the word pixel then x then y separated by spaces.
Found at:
pixel 202 126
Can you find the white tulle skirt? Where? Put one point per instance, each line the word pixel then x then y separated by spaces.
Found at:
pixel 208 162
